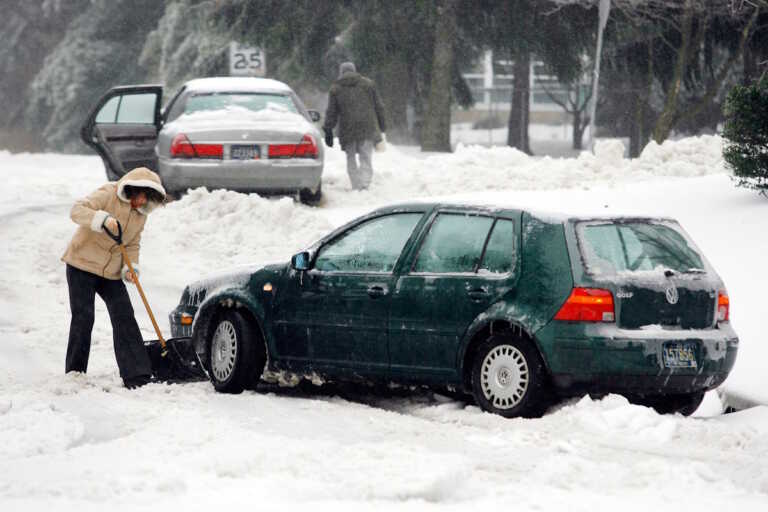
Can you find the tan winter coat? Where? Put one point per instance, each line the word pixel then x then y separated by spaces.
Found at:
pixel 91 249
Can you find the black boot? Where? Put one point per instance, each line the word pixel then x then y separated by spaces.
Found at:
pixel 137 382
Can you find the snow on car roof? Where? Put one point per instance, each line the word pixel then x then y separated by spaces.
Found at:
pixel 553 217
pixel 236 84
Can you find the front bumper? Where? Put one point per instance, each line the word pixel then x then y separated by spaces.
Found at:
pixel 265 175
pixel 605 358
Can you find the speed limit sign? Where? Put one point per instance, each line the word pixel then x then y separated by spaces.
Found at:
pixel 246 60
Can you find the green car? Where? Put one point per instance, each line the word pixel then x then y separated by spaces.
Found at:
pixel 510 306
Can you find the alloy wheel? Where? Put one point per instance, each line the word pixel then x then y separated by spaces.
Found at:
pixel 224 351
pixel 504 376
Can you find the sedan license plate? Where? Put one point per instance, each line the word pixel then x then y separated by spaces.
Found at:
pixel 680 355
pixel 244 152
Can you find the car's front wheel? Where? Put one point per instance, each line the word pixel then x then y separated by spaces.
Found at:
pixel 508 377
pixel 237 355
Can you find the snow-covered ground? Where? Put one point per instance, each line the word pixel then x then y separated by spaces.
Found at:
pixel 84 442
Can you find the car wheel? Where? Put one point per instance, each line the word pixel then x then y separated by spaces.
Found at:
pixel 508 377
pixel 310 197
pixel 685 404
pixel 237 355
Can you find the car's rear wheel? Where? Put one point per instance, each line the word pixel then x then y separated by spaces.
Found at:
pixel 685 403
pixel 236 356
pixel 311 197
pixel 508 377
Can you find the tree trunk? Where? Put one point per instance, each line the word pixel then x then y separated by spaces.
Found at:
pixel 395 87
pixel 578 129
pixel 750 66
pixel 668 116
pixel 436 132
pixel 517 132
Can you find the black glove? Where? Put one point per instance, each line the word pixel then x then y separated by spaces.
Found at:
pixel 329 138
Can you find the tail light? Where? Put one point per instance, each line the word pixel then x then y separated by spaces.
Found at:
pixel 182 147
pixel 588 305
pixel 723 306
pixel 307 148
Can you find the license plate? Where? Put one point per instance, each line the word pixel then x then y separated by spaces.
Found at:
pixel 244 152
pixel 680 355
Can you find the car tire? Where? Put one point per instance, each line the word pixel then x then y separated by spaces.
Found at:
pixel 236 354
pixel 685 403
pixel 508 377
pixel 309 197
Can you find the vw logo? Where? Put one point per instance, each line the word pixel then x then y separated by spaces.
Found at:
pixel 672 295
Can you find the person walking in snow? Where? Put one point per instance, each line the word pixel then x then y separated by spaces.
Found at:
pixel 95 265
pixel 354 104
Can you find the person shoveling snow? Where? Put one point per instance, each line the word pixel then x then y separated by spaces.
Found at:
pixel 95 265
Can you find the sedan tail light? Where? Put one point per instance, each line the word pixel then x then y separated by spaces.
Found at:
pixel 182 147
pixel 307 148
pixel 588 305
pixel 723 306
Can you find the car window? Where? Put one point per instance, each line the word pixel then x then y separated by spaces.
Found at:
pixel 137 108
pixel 608 248
pixel 108 113
pixel 202 102
pixel 454 244
pixel 373 246
pixel 499 254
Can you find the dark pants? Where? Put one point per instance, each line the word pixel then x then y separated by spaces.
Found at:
pixel 132 358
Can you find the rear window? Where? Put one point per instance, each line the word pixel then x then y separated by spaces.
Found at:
pixel 202 102
pixel 613 247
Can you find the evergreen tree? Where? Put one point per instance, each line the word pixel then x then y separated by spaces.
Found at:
pixel 746 134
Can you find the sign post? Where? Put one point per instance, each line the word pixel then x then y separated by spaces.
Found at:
pixel 246 60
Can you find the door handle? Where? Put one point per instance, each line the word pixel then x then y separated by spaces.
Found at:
pixel 377 291
pixel 478 294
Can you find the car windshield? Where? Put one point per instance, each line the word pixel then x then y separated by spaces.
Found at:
pixel 616 246
pixel 203 102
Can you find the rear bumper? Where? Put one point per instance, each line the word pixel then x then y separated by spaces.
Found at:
pixel 254 175
pixel 604 358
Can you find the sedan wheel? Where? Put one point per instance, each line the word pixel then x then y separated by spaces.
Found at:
pixel 508 377
pixel 310 197
pixel 223 351
pixel 236 353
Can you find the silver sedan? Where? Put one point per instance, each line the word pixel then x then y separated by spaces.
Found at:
pixel 237 133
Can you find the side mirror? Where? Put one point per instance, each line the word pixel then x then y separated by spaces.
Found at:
pixel 314 115
pixel 300 261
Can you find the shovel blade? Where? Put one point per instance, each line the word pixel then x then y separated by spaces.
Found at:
pixel 178 363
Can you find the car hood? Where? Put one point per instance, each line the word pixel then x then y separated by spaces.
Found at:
pixel 237 277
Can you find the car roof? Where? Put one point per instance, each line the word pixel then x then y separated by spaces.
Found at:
pixel 236 84
pixel 545 216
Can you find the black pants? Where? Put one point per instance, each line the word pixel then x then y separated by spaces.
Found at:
pixel 132 358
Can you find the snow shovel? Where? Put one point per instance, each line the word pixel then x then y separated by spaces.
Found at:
pixel 173 360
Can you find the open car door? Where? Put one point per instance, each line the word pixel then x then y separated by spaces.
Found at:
pixel 123 126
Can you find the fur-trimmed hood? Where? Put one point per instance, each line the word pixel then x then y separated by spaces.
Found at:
pixel 140 177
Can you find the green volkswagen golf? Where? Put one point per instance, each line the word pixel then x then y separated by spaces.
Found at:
pixel 509 306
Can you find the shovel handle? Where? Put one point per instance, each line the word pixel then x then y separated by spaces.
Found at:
pixel 143 297
pixel 118 237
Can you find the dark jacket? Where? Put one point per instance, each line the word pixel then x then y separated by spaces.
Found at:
pixel 354 103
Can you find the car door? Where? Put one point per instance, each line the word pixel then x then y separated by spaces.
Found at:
pixel 337 312
pixel 123 127
pixel 465 263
